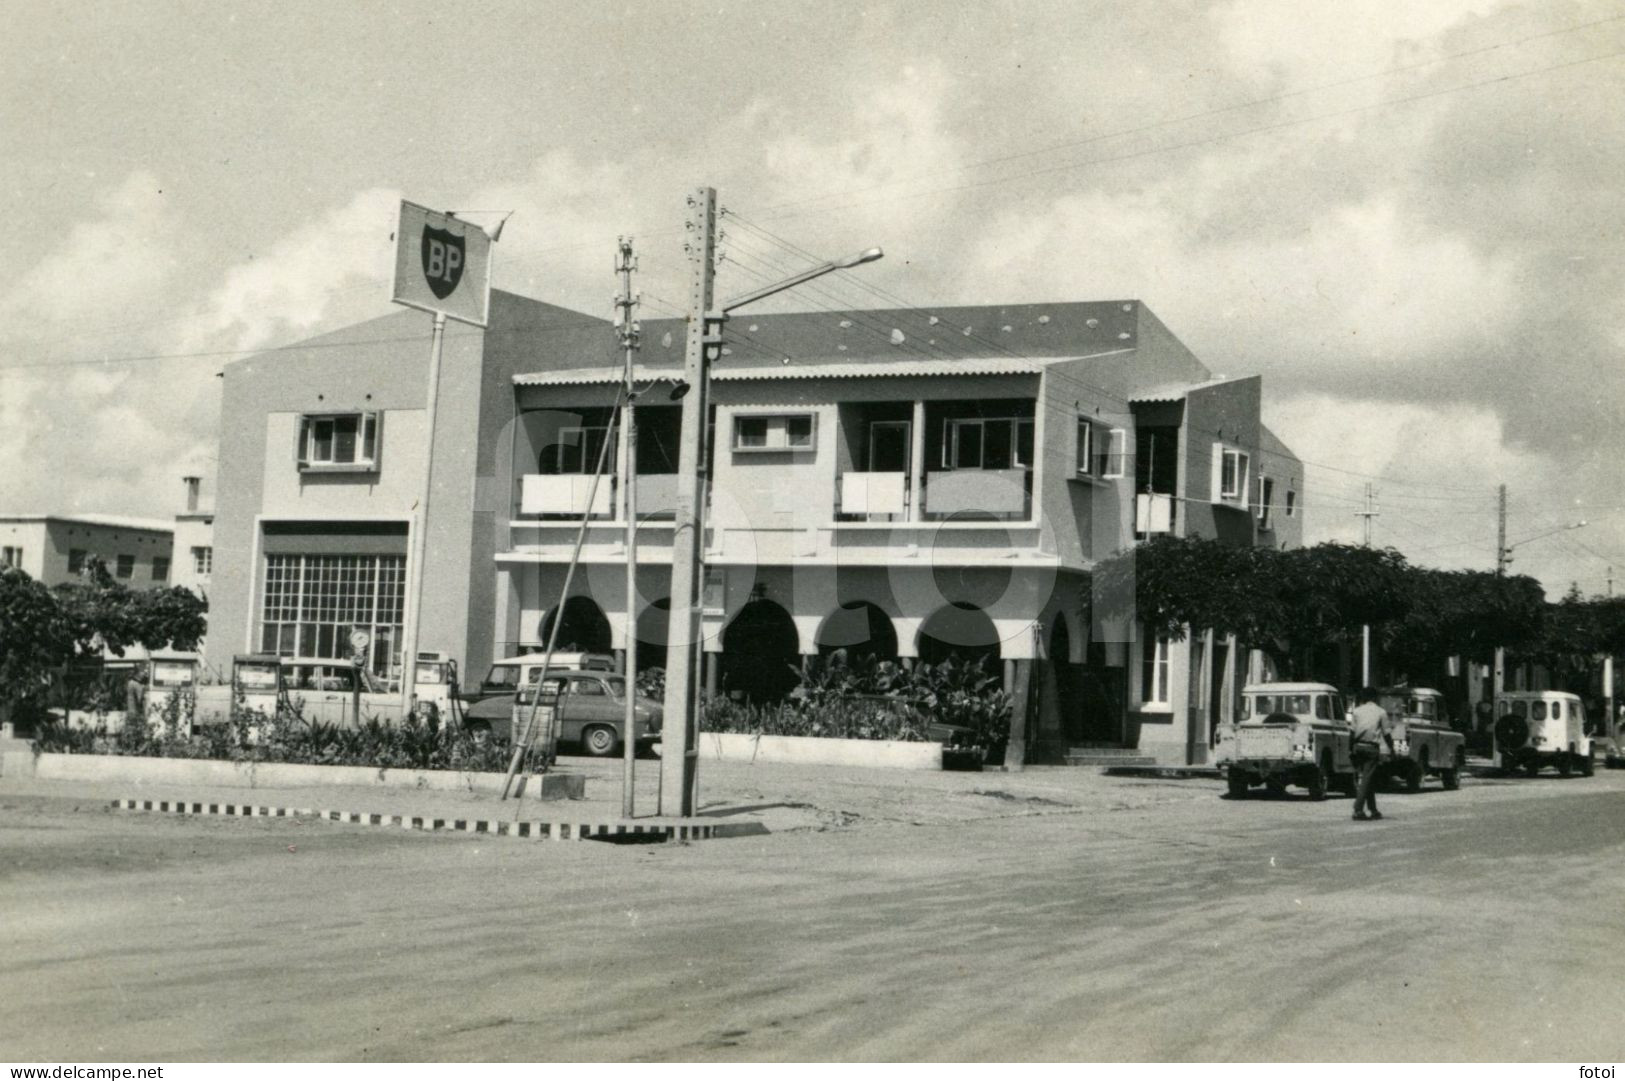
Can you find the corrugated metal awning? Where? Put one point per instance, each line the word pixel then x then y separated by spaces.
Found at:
pixel 844 369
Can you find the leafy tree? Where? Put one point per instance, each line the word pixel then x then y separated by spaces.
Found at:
pixel 34 636
pixel 1466 613
pixel 101 612
pixel 172 617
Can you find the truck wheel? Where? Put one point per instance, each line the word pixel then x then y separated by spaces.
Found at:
pixel 1320 779
pixel 599 741
pixel 1452 776
pixel 1588 765
pixel 1531 767
pixel 1418 770
pixel 1236 784
pixel 1565 764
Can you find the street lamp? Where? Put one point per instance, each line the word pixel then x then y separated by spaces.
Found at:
pixel 868 255
pixel 1504 557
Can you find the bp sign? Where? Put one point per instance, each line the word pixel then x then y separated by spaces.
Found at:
pixel 442 265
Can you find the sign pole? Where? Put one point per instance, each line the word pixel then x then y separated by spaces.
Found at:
pixel 420 528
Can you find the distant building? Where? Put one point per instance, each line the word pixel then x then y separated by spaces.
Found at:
pixel 898 483
pixel 194 541
pixel 53 548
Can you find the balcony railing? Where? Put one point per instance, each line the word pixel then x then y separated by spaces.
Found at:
pixel 874 496
pixel 567 495
pixel 992 493
pixel 1153 513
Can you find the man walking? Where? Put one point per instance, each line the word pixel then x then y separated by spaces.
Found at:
pixel 1367 743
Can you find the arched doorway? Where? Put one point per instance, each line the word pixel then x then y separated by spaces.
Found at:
pixel 584 629
pixel 963 631
pixel 863 629
pixel 1068 682
pixel 654 629
pixel 761 653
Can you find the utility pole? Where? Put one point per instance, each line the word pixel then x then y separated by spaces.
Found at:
pixel 679 738
pixel 1502 558
pixel 626 303
pixel 1608 679
pixel 420 529
pixel 1367 514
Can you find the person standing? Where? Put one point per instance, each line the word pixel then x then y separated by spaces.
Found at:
pixel 1367 743
pixel 135 697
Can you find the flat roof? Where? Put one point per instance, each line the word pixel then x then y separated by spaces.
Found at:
pixel 113 521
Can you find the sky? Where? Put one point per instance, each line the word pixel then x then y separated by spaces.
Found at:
pixel 1406 217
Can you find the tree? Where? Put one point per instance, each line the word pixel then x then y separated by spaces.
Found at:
pixel 102 613
pixel 1466 614
pixel 35 638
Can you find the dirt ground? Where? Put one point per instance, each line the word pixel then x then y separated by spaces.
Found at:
pixel 1055 914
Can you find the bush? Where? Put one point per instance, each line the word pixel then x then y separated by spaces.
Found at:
pixel 420 742
pixel 956 701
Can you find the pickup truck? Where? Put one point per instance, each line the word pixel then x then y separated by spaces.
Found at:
pixel 327 689
pixel 1424 743
pixel 1289 733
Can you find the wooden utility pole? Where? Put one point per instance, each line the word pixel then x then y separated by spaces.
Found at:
pixel 1502 558
pixel 679 758
pixel 1367 514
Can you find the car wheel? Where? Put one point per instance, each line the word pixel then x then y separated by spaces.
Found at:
pixel 1452 776
pixel 1418 770
pixel 1320 779
pixel 1565 764
pixel 599 741
pixel 1236 784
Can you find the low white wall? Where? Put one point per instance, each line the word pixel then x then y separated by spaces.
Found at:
pixel 804 750
pixel 209 773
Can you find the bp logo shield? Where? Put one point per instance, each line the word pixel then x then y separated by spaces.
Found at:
pixel 443 259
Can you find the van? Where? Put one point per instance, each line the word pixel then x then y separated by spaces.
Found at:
pixel 1534 729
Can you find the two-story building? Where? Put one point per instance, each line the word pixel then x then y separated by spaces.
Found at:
pixel 53 548
pixel 900 484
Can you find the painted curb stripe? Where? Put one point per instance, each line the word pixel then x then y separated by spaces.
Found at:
pixel 537 830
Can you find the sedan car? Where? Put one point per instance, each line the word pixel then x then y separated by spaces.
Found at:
pixel 586 708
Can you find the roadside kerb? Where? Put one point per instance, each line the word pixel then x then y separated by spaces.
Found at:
pixel 633 832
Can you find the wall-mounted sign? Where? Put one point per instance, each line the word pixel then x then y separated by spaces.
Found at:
pixel 442 264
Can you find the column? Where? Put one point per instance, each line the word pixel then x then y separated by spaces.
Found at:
pixel 916 464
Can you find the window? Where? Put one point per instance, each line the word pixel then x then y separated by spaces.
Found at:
pixel 1230 475
pixel 76 560
pixel 160 568
pixel 979 443
pixel 1291 503
pixel 11 557
pixel 1101 452
pixel 1323 707
pixel 342 441
pixel 578 450
pixel 502 677
pixel 126 566
pixel 202 559
pixel 1266 495
pixel 780 431
pixel 587 686
pixel 313 603
pixel 1154 666
pixel 1114 459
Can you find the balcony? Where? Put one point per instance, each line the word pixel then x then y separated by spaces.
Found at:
pixel 567 495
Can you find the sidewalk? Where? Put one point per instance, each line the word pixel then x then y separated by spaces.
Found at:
pixel 777 798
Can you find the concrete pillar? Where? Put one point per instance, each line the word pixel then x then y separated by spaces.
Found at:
pixel 1009 677
pixel 620 661
pixel 916 464
pixel 711 674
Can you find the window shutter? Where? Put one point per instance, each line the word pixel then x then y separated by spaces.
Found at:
pixel 301 442
pixel 375 421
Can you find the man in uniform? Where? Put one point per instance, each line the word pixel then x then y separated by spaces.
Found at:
pixel 1367 744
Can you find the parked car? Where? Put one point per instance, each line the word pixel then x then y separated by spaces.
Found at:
pixel 1424 742
pixel 1534 729
pixel 587 708
pixel 1289 733
pixel 492 698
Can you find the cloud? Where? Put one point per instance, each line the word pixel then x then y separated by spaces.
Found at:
pixel 116 264
pixel 324 265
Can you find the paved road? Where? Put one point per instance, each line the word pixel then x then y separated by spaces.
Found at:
pixel 1481 924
